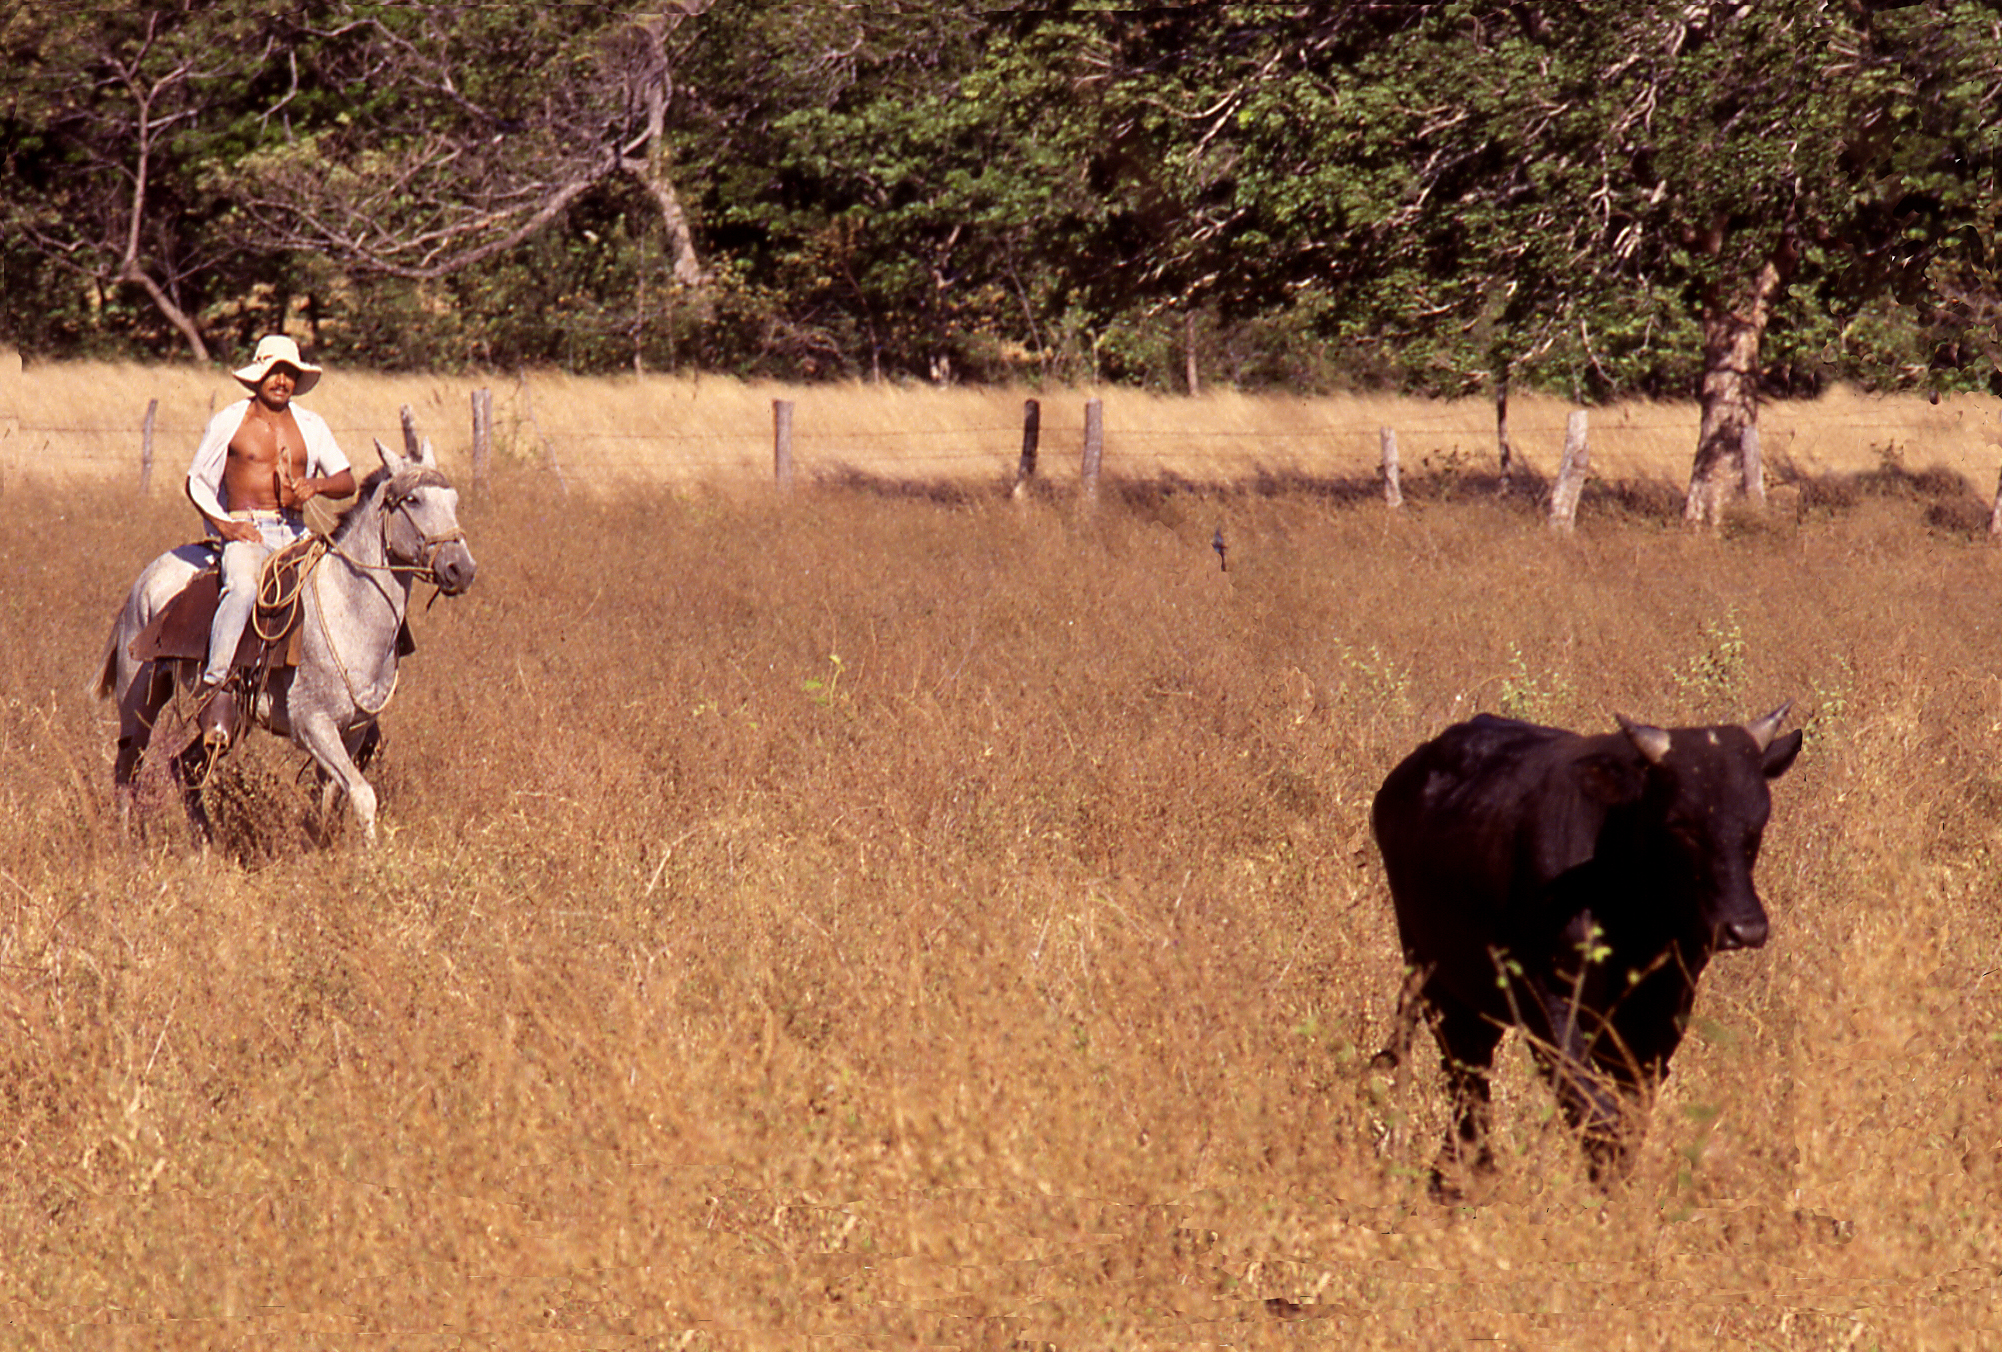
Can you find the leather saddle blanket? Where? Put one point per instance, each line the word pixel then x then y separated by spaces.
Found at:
pixel 271 639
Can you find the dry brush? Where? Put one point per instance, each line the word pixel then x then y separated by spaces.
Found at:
pixel 884 922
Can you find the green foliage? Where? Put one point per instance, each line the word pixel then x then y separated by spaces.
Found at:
pixel 1833 697
pixel 1536 694
pixel 1714 680
pixel 1416 197
pixel 1374 684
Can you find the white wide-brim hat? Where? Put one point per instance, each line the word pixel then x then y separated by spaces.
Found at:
pixel 278 350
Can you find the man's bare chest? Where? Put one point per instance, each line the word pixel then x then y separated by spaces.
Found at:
pixel 269 442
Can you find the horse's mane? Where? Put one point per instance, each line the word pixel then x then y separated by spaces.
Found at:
pixel 363 495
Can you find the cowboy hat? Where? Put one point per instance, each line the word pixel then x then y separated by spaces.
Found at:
pixel 278 350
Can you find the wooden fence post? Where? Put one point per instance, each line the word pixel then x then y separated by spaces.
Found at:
pixel 483 436
pixel 1094 446
pixel 1393 491
pixel 1571 473
pixel 1995 513
pixel 410 443
pixel 782 446
pixel 1032 431
pixel 1755 471
pixel 146 447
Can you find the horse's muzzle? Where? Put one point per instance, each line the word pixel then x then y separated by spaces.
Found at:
pixel 453 569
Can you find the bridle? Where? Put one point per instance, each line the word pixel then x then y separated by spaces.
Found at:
pixel 399 490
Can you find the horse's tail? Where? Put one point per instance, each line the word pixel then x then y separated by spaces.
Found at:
pixel 105 683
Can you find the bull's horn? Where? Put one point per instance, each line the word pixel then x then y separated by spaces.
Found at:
pixel 1652 742
pixel 1763 730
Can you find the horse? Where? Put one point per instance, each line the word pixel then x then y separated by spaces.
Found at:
pixel 404 526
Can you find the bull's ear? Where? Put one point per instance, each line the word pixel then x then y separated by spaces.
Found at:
pixel 1779 756
pixel 1610 780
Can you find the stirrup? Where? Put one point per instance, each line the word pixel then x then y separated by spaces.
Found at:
pixel 218 717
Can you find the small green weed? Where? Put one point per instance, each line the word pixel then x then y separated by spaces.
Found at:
pixel 1715 676
pixel 1538 696
pixel 826 690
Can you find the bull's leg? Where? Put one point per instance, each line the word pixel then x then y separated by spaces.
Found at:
pixel 1411 1007
pixel 1592 1100
pixel 1396 1055
pixel 1467 1041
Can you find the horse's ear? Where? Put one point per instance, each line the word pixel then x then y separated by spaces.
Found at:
pixel 424 455
pixel 391 461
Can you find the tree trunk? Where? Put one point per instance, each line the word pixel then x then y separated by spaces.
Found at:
pixel 130 269
pixel 650 173
pixel 1732 334
pixel 132 272
pixel 651 169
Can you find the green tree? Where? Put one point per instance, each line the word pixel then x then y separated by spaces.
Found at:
pixel 1585 180
pixel 111 114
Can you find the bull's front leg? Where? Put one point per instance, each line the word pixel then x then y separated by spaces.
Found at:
pixel 1571 1048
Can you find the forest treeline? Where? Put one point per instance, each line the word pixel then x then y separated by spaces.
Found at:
pixel 1706 198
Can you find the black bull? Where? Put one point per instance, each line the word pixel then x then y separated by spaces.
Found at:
pixel 1574 887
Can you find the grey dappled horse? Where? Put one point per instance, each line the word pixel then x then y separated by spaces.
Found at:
pixel 403 526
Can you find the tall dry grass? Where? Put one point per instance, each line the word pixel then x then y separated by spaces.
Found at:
pixel 83 420
pixel 876 922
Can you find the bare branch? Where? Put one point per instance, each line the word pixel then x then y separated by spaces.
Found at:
pixel 468 177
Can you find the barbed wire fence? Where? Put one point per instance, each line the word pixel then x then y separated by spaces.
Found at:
pixel 1069 452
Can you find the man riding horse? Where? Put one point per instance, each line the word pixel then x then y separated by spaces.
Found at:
pixel 260 461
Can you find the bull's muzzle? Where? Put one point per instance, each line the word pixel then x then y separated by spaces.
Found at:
pixel 1748 931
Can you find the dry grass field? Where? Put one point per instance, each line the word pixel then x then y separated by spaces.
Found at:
pixel 882 921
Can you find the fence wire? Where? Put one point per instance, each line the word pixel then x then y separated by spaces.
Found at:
pixel 109 449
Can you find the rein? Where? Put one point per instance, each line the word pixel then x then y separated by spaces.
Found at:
pixel 394 494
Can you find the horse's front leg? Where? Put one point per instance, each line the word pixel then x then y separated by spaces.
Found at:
pixel 334 750
pixel 361 743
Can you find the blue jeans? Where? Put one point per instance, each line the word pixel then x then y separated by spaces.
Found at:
pixel 242 561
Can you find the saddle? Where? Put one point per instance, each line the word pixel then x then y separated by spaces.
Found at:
pixel 270 640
